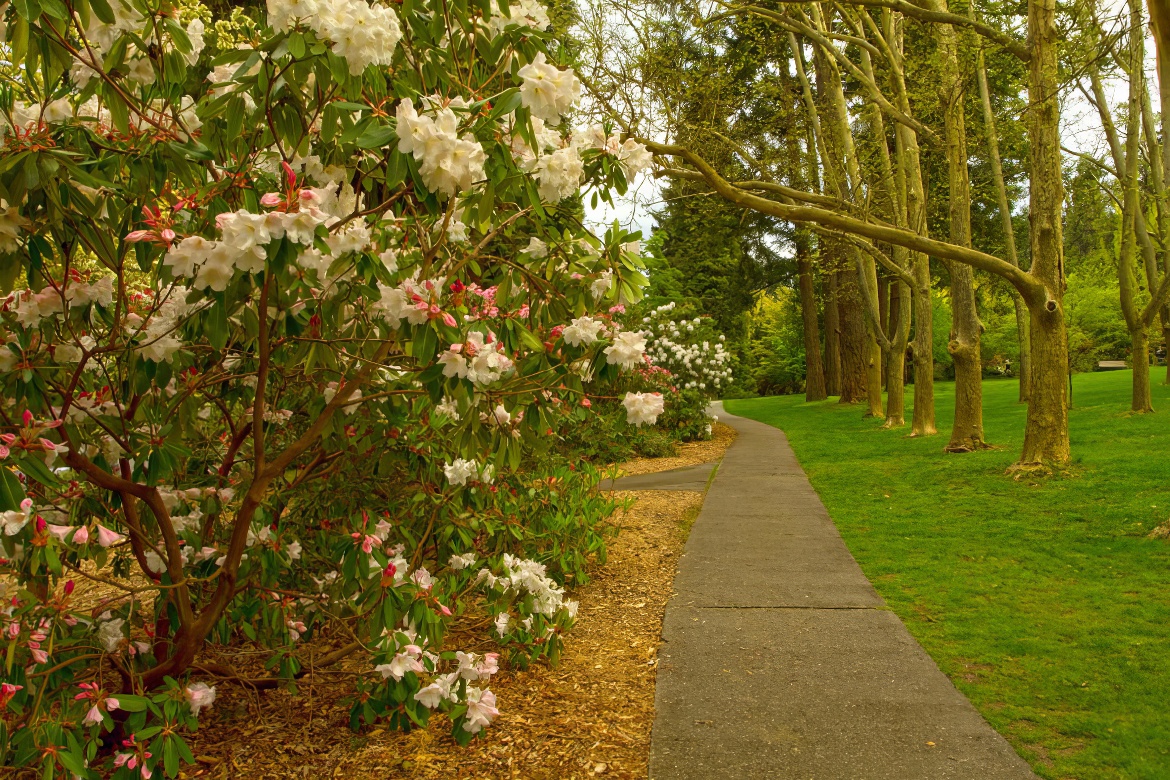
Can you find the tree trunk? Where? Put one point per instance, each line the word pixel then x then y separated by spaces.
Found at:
pixel 832 337
pixel 1142 401
pixel 1046 432
pixel 854 342
pixel 885 290
pixel 896 356
pixel 909 177
pixel 967 433
pixel 814 380
pixel 923 349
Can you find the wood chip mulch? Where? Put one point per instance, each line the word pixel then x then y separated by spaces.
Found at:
pixel 589 717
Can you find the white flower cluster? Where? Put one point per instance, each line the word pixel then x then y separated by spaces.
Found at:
pixel 582 331
pixel 31 308
pixel 643 408
pixel 526 13
pixel 460 470
pixel 546 90
pixel 627 349
pixel 158 342
pixel 481 703
pixel 449 163
pixel 412 300
pixel 703 365
pixel 528 576
pixel 362 34
pixel 241 247
pixel 560 174
pixel 480 359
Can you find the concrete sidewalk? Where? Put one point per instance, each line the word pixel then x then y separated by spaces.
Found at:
pixel 779 660
pixel 693 478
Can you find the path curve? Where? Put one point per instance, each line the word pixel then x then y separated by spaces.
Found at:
pixel 779 660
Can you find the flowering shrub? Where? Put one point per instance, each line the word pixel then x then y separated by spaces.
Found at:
pixel 688 367
pixel 260 263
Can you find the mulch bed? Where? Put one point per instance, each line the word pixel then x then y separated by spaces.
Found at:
pixel 588 717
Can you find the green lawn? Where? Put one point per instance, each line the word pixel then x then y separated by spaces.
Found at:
pixel 1043 600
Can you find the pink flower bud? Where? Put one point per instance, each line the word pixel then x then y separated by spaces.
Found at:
pixel 40 524
pixel 140 235
pixel 289 174
pixel 27 417
pixel 106 537
pixel 81 536
pixel 270 199
pixel 168 235
pixel 69 588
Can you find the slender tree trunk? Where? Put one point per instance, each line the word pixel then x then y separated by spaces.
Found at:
pixel 884 287
pixel 844 170
pixel 1005 215
pixel 923 349
pixel 854 339
pixel 896 356
pixel 1140 340
pixel 814 381
pixel 1046 432
pixel 909 176
pixel 832 336
pixel 967 433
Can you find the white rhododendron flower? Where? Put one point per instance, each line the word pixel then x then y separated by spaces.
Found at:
pixel 361 33
pixel 460 470
pixel 481 710
pixel 459 562
pixel 642 408
pixel 602 284
pixel 526 13
pixel 449 163
pixel 627 349
pixel 582 331
pixel 547 91
pixel 200 696
pixel 560 174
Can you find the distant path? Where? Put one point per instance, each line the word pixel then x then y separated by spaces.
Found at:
pixel 779 660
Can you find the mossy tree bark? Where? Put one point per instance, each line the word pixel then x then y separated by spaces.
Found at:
pixel 1046 430
pixel 814 381
pixel 832 336
pixel 963 345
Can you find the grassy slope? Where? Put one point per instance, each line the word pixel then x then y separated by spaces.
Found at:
pixel 1041 599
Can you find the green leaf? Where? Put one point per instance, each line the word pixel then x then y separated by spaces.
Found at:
pixel 132 703
pixel 376 137
pixel 505 103
pixel 103 10
pixel 11 492
pixel 35 468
